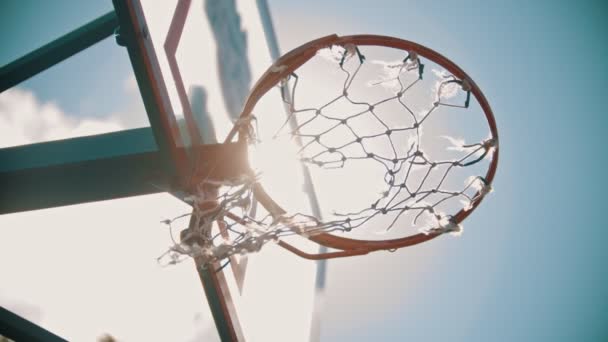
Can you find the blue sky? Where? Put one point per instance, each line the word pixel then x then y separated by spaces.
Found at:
pixel 76 84
pixel 531 263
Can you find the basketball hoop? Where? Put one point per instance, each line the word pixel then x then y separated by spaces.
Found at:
pixel 418 175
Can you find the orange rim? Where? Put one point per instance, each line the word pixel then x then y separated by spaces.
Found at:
pixel 297 57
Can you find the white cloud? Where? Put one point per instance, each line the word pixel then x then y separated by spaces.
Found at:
pixel 204 330
pixel 70 266
pixel 94 260
pixel 22 308
pixel 130 85
pixel 134 114
pixel 25 120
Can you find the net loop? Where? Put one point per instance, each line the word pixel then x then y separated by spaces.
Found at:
pixel 418 171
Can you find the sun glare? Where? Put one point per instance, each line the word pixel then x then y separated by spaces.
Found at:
pixel 277 164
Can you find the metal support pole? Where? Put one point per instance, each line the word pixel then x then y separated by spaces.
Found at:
pixel 273 45
pixel 58 50
pixel 18 328
pixel 99 167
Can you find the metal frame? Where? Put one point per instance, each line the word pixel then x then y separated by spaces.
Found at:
pixel 58 50
pixel 73 171
pixel 18 328
pixel 171 43
pixel 76 170
pixel 14 162
pixel 135 36
pixel 147 160
pixel 156 100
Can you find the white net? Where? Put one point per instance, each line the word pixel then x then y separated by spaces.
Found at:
pixel 380 139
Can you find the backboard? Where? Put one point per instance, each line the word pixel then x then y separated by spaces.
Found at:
pixel 195 62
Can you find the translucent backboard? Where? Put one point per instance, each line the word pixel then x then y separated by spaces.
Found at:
pixel 201 59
